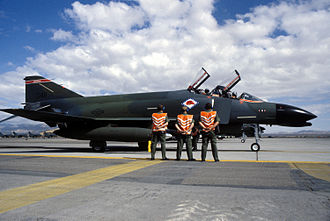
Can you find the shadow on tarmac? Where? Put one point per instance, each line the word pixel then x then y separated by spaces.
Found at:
pixel 68 149
pixel 109 149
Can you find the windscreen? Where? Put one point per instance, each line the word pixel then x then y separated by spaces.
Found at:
pixel 246 96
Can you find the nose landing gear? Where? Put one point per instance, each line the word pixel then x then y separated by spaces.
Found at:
pixel 252 130
pixel 243 138
pixel 255 146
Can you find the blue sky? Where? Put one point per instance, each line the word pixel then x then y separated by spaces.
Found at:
pixel 278 46
pixel 26 26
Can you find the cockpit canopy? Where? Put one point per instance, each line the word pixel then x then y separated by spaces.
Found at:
pixel 219 90
pixel 200 78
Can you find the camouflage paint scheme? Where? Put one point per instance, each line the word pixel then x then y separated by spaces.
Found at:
pixel 127 117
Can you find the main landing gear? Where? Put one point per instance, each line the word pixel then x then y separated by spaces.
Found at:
pixel 143 145
pixel 97 145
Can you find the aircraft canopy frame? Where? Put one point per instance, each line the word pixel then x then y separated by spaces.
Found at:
pixel 201 77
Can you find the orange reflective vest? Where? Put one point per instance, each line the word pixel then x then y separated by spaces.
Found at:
pixel 208 119
pixel 159 122
pixel 184 122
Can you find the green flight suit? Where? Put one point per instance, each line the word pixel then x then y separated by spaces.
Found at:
pixel 159 136
pixel 210 136
pixel 183 138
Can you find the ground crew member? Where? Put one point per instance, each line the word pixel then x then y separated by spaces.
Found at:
pixel 159 126
pixel 208 121
pixel 184 125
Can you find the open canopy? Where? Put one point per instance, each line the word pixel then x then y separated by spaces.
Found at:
pixel 200 78
pixel 219 90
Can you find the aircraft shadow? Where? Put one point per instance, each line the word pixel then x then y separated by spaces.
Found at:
pixel 109 149
pixel 44 149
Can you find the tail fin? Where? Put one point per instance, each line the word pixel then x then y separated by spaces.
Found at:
pixel 38 88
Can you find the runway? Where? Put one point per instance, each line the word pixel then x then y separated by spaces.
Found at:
pixel 63 180
pixel 272 149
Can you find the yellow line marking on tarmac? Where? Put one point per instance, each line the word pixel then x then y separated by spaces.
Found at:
pixel 148 158
pixel 319 171
pixel 26 195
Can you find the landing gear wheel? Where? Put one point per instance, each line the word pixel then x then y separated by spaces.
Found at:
pixel 143 145
pixel 255 147
pixel 98 146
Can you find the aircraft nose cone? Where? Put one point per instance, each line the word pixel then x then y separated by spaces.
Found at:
pixel 293 115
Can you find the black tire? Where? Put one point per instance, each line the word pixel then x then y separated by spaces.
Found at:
pixel 255 147
pixel 143 145
pixel 242 141
pixel 98 146
pixel 98 149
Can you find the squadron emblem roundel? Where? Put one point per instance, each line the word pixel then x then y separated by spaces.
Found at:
pixel 190 103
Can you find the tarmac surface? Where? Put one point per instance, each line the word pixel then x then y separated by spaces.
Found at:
pixel 60 179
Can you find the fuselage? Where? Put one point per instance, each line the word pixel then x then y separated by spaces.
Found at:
pixel 127 117
pixel 139 107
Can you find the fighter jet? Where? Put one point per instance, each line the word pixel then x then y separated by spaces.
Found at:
pixel 33 135
pixel 14 134
pixel 6 135
pixel 127 117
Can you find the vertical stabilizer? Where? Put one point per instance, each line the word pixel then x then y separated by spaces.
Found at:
pixel 38 88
